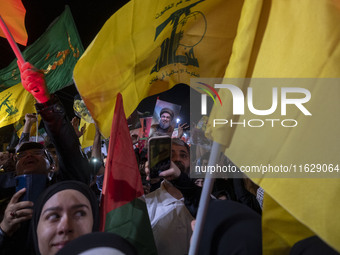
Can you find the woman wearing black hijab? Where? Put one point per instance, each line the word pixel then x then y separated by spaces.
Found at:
pixel 231 228
pixel 64 211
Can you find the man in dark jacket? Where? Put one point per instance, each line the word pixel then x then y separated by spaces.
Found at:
pixel 33 158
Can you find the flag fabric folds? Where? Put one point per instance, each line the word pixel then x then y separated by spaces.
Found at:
pixel 15 102
pixel 123 209
pixel 147 47
pixel 55 53
pixel 304 45
pixel 13 13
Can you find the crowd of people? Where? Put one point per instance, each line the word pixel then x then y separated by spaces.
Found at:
pixel 37 219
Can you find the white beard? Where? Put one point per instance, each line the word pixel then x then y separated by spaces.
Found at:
pixel 164 125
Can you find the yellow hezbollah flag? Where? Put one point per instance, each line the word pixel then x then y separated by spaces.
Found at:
pixel 15 102
pixel 13 13
pixel 293 39
pixel 148 46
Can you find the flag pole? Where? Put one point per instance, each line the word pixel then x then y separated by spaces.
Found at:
pixel 37 129
pixel 204 201
pixel 11 41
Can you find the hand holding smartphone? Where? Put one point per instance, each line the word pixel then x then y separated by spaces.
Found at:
pixel 159 155
pixel 34 184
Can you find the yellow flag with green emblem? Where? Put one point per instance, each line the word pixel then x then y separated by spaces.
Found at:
pixel 147 47
pixel 14 102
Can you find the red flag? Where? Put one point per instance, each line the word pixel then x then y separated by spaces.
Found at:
pixel 13 13
pixel 122 210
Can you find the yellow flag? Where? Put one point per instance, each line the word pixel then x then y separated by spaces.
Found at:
pixel 14 103
pixel 86 140
pixel 149 46
pixel 292 39
pixel 280 229
pixel 13 13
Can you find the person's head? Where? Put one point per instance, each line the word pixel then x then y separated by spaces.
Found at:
pixel 166 116
pixel 103 243
pixel 237 227
pixel 33 158
pixel 199 182
pixel 53 152
pixel 64 211
pixel 180 155
pixel 204 160
pixel 7 162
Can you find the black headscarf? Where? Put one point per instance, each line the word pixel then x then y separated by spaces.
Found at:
pixel 231 228
pixel 312 246
pixel 93 241
pixel 55 188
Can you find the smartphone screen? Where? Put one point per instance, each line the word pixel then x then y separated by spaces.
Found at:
pixel 159 155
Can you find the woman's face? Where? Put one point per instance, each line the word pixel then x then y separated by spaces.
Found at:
pixel 64 217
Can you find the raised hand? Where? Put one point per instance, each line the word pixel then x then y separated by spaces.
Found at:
pixel 181 129
pixel 75 123
pixel 171 174
pixel 30 119
pixel 34 82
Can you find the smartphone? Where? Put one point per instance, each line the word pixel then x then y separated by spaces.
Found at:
pixel 159 155
pixel 34 184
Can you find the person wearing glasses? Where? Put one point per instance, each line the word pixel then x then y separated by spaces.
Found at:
pixel 35 166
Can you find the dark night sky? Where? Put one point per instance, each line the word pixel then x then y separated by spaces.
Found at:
pixel 89 16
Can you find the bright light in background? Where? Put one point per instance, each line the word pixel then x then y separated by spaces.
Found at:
pixel 178 120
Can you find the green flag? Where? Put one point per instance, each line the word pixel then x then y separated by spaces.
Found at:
pixel 55 52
